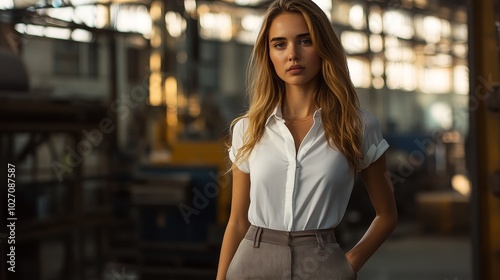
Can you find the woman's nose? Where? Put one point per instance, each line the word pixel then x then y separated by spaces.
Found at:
pixel 293 54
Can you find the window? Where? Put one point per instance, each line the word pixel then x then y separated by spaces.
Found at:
pixel 66 58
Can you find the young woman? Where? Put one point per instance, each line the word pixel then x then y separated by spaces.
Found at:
pixel 296 154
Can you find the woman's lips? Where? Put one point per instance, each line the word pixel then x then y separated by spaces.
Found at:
pixel 295 69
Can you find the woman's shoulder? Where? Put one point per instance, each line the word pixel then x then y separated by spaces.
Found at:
pixel 240 123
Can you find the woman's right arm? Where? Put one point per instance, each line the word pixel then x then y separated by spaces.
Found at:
pixel 238 223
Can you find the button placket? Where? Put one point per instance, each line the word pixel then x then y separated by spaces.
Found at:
pixel 291 174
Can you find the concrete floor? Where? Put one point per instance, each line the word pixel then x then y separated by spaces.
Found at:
pixel 421 257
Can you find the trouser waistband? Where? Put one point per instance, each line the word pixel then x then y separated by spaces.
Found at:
pixel 290 238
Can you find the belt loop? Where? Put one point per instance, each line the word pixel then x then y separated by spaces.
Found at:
pixel 319 238
pixel 331 237
pixel 256 238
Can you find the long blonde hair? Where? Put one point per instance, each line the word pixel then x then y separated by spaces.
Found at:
pixel 336 96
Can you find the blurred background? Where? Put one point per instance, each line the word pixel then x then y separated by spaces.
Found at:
pixel 115 114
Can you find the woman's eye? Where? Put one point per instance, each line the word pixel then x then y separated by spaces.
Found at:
pixel 279 45
pixel 306 42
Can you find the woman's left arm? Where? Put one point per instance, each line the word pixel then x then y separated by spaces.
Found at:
pixel 378 184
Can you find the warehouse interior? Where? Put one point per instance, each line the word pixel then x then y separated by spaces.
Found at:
pixel 116 113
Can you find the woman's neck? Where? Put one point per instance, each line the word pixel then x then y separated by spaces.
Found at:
pixel 298 103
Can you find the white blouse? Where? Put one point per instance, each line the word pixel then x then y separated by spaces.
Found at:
pixel 307 190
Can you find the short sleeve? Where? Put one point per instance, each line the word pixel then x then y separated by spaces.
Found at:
pixel 237 143
pixel 373 143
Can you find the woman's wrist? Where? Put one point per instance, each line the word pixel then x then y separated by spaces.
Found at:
pixel 352 261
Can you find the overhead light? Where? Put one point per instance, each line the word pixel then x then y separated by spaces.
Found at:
pixel 251 22
pixel 357 17
pixel 190 5
pixel 354 41
pixel 6 4
pixel 57 33
pixel 175 23
pixel 82 35
pixel 435 80
pixel 35 30
pixel 375 22
pixel 398 24
pixel 461 184
pixel 216 26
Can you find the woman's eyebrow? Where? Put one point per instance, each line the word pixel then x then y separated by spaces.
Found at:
pixel 277 39
pixel 283 38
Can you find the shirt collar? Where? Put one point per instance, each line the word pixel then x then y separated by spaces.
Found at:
pixel 276 114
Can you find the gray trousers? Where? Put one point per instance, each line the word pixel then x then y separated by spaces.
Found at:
pixel 272 254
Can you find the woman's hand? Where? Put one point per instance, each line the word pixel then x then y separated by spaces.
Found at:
pixel 379 187
pixel 350 258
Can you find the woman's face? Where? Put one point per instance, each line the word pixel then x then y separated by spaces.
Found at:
pixel 291 50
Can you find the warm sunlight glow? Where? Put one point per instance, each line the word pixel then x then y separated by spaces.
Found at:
pixel 461 184
pixel 354 42
pixel 171 99
pixel 155 96
pixel 176 24
pixel 359 71
pixel 6 4
pixel 401 75
pixel 357 17
pixel 376 43
pixel 216 26
pixel 435 80
pixel 375 22
pixel 461 79
pixel 398 24
pixel 81 35
pixel 155 61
